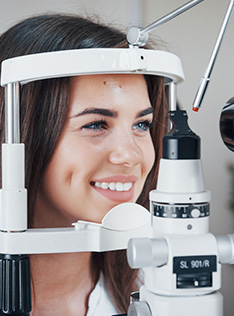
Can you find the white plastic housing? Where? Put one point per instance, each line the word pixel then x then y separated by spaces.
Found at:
pixel 180 181
pixel 13 195
pixel 205 305
pixel 33 67
pixel 133 221
pixel 180 176
pixel 182 226
pixel 162 280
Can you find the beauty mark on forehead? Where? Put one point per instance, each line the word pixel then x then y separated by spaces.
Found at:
pixel 112 83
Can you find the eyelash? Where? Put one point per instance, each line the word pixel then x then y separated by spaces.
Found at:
pixel 147 125
pixel 144 125
pixel 96 125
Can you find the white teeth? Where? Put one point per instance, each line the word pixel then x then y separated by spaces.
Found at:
pixel 118 186
pixel 112 186
pixel 127 186
pixel 104 185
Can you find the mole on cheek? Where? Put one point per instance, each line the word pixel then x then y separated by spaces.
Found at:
pixel 104 82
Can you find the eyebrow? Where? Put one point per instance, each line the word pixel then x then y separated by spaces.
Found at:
pixel 110 113
pixel 145 112
pixel 100 111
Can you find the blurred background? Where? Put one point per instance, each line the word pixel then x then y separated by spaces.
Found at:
pixel 191 36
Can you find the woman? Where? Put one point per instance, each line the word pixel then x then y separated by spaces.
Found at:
pixel 91 142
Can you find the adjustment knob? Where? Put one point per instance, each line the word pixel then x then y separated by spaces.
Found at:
pixel 145 252
pixel 195 213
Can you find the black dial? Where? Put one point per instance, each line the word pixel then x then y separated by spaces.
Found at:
pixel 181 210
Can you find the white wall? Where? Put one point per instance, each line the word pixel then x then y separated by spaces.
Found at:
pixel 109 10
pixel 191 36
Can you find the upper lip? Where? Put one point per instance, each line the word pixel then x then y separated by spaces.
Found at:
pixel 118 178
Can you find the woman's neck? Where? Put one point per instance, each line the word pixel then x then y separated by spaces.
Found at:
pixel 61 284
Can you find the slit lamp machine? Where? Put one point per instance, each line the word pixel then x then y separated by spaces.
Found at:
pixel 181 260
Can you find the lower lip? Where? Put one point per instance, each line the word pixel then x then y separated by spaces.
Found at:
pixel 116 196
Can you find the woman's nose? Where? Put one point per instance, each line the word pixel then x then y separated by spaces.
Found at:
pixel 125 151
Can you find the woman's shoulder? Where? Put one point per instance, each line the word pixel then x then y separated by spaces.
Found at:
pixel 100 303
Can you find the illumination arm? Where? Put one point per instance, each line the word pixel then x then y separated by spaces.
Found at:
pixel 138 37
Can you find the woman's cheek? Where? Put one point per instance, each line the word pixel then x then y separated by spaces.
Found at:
pixel 149 154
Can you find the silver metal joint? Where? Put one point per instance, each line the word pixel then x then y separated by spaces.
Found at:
pixel 135 37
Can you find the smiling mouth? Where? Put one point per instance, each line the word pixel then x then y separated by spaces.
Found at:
pixel 113 186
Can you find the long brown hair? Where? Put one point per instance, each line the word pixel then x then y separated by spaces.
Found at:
pixel 44 109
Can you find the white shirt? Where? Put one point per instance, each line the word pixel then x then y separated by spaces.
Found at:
pixel 100 303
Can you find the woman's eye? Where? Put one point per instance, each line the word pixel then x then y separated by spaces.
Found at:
pixel 96 125
pixel 143 125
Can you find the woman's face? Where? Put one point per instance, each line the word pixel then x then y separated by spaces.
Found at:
pixel 105 152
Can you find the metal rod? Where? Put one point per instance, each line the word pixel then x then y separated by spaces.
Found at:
pixel 172 96
pixel 12 117
pixel 206 77
pixel 170 16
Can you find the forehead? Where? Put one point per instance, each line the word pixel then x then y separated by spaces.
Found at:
pixel 108 81
pixel 108 91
